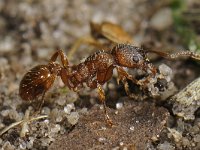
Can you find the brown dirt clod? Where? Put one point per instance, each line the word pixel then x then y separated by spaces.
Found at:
pixel 134 125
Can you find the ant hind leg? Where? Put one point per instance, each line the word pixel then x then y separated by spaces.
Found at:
pixel 40 104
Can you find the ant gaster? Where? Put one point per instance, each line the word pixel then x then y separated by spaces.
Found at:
pixel 95 71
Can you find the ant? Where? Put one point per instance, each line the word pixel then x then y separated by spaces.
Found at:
pixel 95 71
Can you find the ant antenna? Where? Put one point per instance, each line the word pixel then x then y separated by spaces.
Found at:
pixel 177 55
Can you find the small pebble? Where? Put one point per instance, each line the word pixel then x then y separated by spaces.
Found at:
pixel 166 71
pixel 8 146
pixel 29 144
pixel 4 63
pixel 83 110
pixel 185 142
pixel 197 138
pixel 55 128
pixel 162 19
pixel 59 118
pixel 132 128
pixel 7 44
pixel 69 108
pixel 176 135
pixel 111 86
pixel 165 146
pixel 73 118
pixel 121 143
pixel 61 101
pixel 102 139
pixel 5 113
pixel 42 53
pixel 46 111
pixel 22 145
pixel 119 105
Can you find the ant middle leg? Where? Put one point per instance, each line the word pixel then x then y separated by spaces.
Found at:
pixel 89 40
pixel 94 84
pixel 102 99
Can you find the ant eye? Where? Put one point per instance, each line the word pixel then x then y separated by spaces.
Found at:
pixel 135 59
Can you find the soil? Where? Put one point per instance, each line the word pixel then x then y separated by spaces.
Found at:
pixel 31 31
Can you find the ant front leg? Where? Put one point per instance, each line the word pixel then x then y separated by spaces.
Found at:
pixel 151 70
pixel 123 76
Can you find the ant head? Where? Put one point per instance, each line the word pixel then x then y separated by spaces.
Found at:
pixel 38 80
pixel 128 55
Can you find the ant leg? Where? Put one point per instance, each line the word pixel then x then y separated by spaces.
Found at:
pixel 126 86
pixel 94 84
pixel 122 75
pixel 39 107
pixel 84 40
pixel 102 99
pixel 152 70
pixel 42 101
pixel 64 60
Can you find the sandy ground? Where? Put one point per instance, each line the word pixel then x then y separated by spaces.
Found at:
pixel 31 31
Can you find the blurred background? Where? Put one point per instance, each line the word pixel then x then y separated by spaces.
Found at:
pixel 32 30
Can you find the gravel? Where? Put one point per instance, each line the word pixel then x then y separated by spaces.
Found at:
pixel 31 31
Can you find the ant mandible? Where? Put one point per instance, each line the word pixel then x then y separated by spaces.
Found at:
pixel 95 71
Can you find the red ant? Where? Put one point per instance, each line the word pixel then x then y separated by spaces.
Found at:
pixel 95 71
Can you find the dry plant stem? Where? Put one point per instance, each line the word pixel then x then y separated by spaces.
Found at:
pixel 24 125
pixel 20 122
pixel 10 127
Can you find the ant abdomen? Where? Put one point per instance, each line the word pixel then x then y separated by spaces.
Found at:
pixel 36 82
